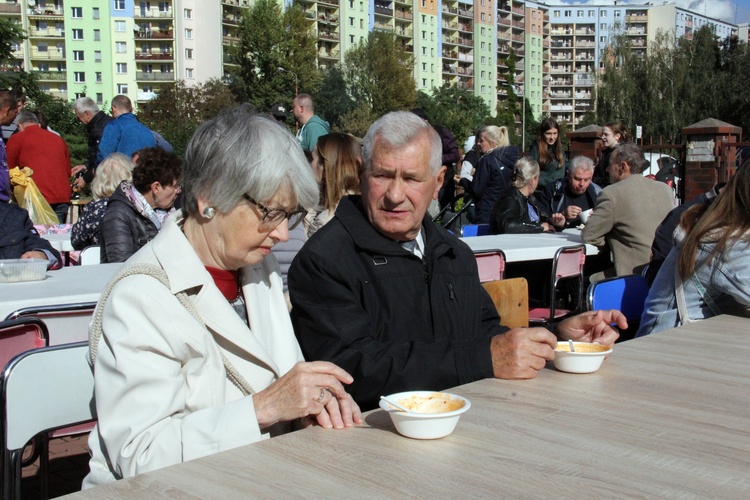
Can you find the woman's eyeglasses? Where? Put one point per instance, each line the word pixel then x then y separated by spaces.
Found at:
pixel 272 217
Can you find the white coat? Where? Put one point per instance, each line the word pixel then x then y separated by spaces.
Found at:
pixel 162 395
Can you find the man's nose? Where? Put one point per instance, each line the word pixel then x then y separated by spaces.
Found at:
pixel 395 192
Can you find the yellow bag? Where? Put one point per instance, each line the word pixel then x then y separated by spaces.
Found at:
pixel 28 196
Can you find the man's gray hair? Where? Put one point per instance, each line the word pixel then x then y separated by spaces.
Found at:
pixel 526 169
pixel 399 129
pixel 240 152
pixel 27 117
pixel 83 104
pixel 631 154
pixel 583 162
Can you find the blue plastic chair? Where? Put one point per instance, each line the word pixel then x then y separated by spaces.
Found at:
pixel 627 294
pixel 475 230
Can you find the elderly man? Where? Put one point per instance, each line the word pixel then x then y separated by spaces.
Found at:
pixel 48 156
pixel 94 120
pixel 574 193
pixel 627 213
pixel 8 112
pixel 125 134
pixel 311 125
pixel 394 299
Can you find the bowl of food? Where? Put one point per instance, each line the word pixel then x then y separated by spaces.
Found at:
pixel 15 270
pixel 431 415
pixel 587 357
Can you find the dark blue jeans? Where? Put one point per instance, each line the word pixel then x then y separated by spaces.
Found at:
pixel 61 209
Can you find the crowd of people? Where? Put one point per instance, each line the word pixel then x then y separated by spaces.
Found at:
pixel 274 282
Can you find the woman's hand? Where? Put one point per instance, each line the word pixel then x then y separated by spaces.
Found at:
pixel 548 228
pixel 308 389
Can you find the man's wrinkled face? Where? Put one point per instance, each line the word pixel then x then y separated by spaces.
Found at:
pixel 579 180
pixel 398 187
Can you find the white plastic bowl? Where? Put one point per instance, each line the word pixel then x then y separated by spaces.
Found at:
pixel 424 425
pixel 580 361
pixel 15 270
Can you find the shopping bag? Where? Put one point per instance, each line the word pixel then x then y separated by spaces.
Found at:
pixel 28 196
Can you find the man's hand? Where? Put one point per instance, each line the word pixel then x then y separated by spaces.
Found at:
pixel 558 220
pixel 77 169
pixel 571 212
pixel 521 352
pixel 34 254
pixel 79 183
pixel 593 326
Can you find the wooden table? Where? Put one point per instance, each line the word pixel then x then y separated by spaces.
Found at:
pixel 64 286
pixel 666 416
pixel 527 247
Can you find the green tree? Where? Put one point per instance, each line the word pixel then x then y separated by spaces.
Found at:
pixel 276 53
pixel 378 74
pixel 333 101
pixel 10 33
pixel 458 109
pixel 178 110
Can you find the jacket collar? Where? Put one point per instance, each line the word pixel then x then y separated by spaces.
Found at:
pixel 188 274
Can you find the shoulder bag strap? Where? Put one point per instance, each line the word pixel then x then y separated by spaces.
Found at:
pixel 680 295
pixel 95 330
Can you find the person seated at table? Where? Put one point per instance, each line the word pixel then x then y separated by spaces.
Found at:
pixel 572 194
pixel 114 169
pixel 206 360
pixel 137 209
pixel 395 300
pixel 518 211
pixel 493 173
pixel 707 273
pixel 20 240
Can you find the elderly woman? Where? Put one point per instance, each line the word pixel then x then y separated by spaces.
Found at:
pixel 520 211
pixel 114 169
pixel 192 347
pixel 137 209
pixel 493 173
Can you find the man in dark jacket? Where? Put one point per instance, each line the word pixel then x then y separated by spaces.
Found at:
pixel 574 193
pixel 395 300
pixel 19 239
pixel 95 120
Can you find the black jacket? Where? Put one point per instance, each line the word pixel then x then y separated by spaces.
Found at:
pixel 511 214
pixel 124 230
pixel 94 130
pixel 556 197
pixel 601 176
pixel 393 321
pixel 18 236
pixel 492 177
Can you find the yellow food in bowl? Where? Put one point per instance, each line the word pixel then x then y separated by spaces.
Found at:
pixel 583 347
pixel 434 403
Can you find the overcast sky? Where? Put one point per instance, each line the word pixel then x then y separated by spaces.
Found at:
pixel 733 11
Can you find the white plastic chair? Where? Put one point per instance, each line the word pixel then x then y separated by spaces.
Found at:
pixel 42 390
pixel 90 255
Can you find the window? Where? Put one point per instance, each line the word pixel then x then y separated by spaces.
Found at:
pixel 76 12
pixel 424 82
pixel 122 88
pixel 424 66
pixel 78 55
pixel 122 68
pixel 351 21
pixel 120 26
pixel 98 77
pixel 602 39
pixel 484 60
pixel 98 56
pixel 163 7
pixel 617 13
pixel 42 47
pixel 556 13
pixel 121 47
pixel 188 13
pixel 483 17
pixel 99 98
pixel 79 77
pixel 120 5
pixel 483 31
pixel 603 26
pixel 188 53
pixel 351 39
pixel 188 34
pixel 568 13
pixel 592 13
pixel 80 94
pixel 424 51
pixel 166 68
pixel 602 13
pixel 97 35
pixel 579 13
pixel 189 73
pixel 77 34
pixel 96 12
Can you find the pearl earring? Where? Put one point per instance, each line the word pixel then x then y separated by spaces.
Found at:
pixel 209 212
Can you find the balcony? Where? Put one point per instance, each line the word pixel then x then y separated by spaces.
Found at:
pixel 403 14
pixel 327 35
pixel 154 34
pixel 466 13
pixel 46 33
pixel 382 10
pixel 46 76
pixel 329 54
pixel 152 13
pixel 233 20
pixel 328 2
pixel 154 56
pixel 10 8
pixel 328 19
pixel 39 12
pixel 154 77
pixel 50 55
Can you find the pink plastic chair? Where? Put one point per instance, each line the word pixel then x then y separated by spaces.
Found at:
pixel 21 335
pixel 491 265
pixel 567 265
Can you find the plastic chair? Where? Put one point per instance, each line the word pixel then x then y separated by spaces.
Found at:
pixel 21 335
pixel 475 230
pixel 71 319
pixel 567 265
pixel 90 255
pixel 42 390
pixel 627 294
pixel 491 265
pixel 511 299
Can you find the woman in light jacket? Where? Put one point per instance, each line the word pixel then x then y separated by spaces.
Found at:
pixel 192 347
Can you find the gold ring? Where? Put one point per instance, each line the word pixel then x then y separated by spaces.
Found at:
pixel 322 395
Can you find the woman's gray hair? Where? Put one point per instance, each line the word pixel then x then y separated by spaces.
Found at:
pixel 240 152
pixel 526 169
pixel 498 136
pixel 113 169
pixel 399 129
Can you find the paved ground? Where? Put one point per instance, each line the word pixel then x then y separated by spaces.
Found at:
pixel 69 463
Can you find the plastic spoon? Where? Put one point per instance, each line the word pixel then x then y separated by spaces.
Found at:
pixel 572 347
pixel 395 405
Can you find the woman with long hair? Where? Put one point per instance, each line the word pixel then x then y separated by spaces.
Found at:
pixel 613 133
pixel 547 150
pixel 706 273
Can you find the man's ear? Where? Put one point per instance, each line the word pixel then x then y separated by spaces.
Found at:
pixel 440 178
